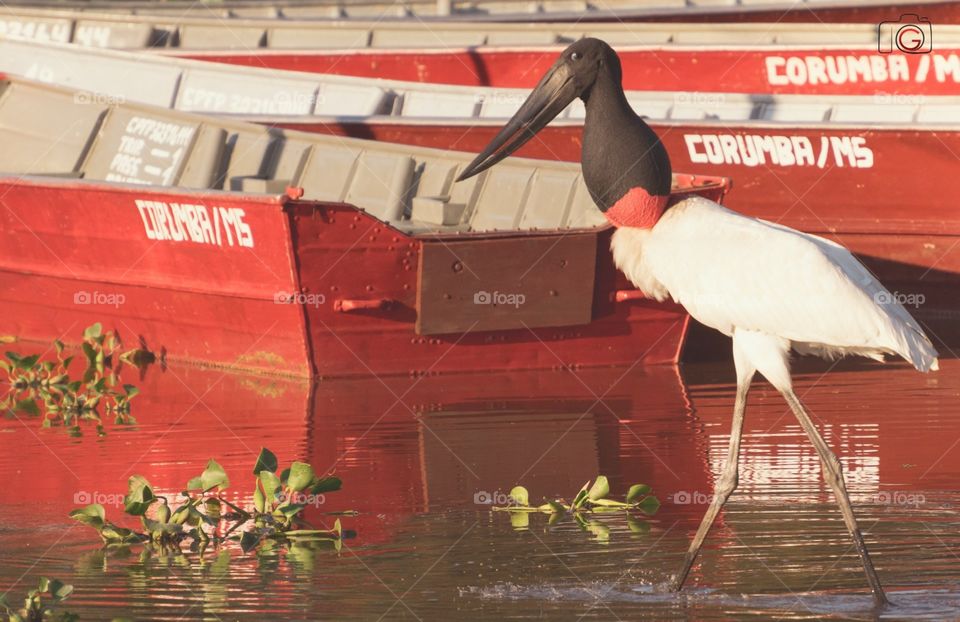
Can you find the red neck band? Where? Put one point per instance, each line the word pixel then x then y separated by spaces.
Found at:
pixel 637 208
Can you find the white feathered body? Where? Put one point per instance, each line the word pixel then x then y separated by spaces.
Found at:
pixel 743 275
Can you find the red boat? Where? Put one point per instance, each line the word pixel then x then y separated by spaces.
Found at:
pixel 470 40
pixel 819 11
pixel 781 69
pixel 180 235
pixel 843 179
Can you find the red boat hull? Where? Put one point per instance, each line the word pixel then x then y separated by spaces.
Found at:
pixel 76 253
pixel 885 194
pixel 776 70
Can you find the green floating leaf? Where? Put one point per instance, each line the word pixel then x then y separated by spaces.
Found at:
pixel 28 406
pixel 289 509
pixel 93 331
pixel 520 495
pixel 213 476
pixel 649 505
pixel 131 391
pixel 93 515
pixel 139 496
pixel 259 501
pixel 581 497
pixel 266 461
pixel 329 483
pixel 301 476
pixel 271 485
pixel 610 503
pixel 636 492
pixel 600 488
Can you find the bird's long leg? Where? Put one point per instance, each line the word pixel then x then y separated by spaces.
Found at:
pixel 728 479
pixel 833 475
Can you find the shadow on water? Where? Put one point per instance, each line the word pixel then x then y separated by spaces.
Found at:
pixel 422 460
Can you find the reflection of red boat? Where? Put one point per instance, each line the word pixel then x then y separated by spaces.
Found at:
pixel 401 445
pixel 430 278
pixel 409 445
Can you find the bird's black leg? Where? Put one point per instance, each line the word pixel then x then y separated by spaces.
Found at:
pixel 833 475
pixel 724 486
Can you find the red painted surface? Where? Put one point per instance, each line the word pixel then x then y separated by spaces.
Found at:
pixel 898 213
pixel 75 253
pixel 780 70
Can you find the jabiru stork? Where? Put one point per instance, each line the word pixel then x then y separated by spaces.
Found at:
pixel 772 289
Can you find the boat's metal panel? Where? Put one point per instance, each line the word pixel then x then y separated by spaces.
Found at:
pixel 555 287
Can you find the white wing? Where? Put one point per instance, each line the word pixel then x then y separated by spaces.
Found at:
pixel 731 271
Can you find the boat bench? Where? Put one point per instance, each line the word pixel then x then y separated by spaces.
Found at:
pixel 62 132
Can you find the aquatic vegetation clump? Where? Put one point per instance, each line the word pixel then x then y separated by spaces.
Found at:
pixel 200 512
pixel 46 388
pixel 38 604
pixel 591 499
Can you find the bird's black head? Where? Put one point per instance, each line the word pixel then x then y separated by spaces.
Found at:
pixel 572 76
pixel 625 166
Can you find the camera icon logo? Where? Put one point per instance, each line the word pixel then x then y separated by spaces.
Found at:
pixel 911 34
pixel 82 298
pixel 482 298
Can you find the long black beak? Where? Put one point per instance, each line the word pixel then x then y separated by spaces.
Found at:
pixel 554 92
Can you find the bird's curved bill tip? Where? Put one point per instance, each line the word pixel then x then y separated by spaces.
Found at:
pixel 554 93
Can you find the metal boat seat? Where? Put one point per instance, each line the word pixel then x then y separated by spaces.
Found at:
pixel 426 39
pixel 139 146
pixel 870 112
pixel 429 103
pixel 336 99
pixel 115 34
pixel 311 38
pixel 203 36
pixel 233 93
pixel 51 133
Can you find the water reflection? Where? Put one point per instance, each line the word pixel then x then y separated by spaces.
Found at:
pixel 421 458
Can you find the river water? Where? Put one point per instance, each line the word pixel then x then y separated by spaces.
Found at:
pixel 421 460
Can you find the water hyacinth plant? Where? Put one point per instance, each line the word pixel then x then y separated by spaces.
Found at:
pixel 36 608
pixel 590 500
pixel 47 389
pixel 204 516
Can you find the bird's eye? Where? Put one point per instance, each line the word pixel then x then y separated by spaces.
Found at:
pixel 575 56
